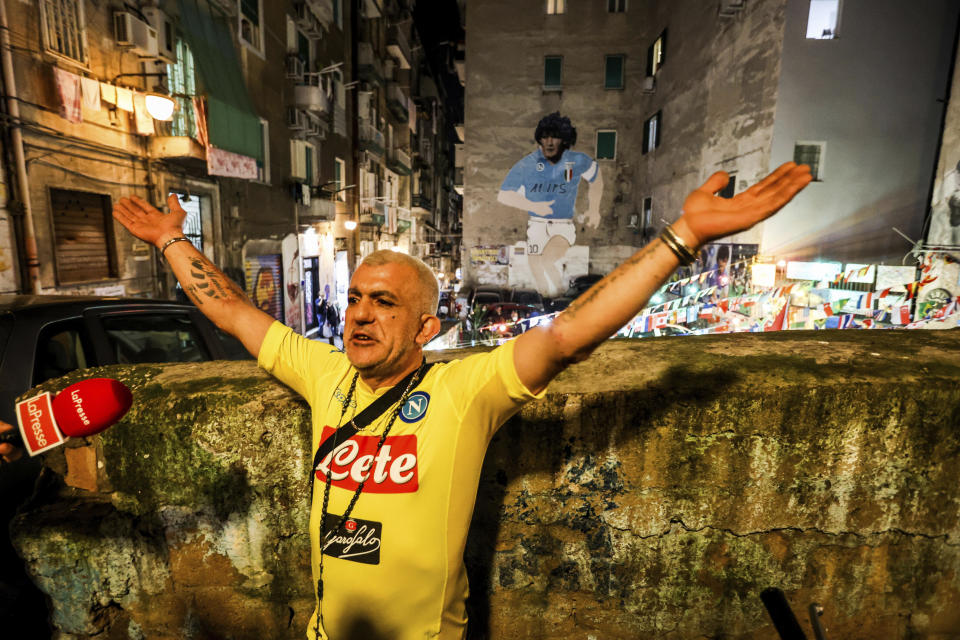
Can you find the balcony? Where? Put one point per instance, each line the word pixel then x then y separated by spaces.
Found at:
pixel 397 102
pixel 371 139
pixel 177 147
pixel 373 211
pixel 399 162
pixel 421 204
pixel 403 219
pixel 308 94
pixel 369 67
pixel 398 48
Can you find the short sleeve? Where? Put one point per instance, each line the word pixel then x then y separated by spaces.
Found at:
pixel 485 387
pixel 514 179
pixel 290 358
pixel 588 167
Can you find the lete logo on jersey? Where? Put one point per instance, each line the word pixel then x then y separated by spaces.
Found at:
pixel 391 470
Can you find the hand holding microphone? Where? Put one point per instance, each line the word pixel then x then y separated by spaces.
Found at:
pixel 82 409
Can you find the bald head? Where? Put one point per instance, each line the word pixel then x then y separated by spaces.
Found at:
pixel 429 288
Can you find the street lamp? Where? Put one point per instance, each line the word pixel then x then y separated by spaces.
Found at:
pixel 160 107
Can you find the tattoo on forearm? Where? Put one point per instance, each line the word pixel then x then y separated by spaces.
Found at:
pixel 633 261
pixel 209 283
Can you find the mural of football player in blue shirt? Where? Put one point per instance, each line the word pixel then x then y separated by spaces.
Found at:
pixel 545 184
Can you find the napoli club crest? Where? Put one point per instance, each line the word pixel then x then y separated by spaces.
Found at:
pixel 415 407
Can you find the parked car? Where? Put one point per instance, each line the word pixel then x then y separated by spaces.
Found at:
pixel 43 337
pixel 553 305
pixel 506 319
pixel 530 297
pixel 487 294
pixel 579 284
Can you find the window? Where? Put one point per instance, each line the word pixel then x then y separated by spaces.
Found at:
pixel 339 171
pixel 183 86
pixel 155 337
pixel 646 215
pixel 303 161
pixel 556 6
pixel 338 13
pixel 811 153
pixel 61 25
pixel 613 72
pixel 62 347
pixel 250 26
pixel 83 236
pixel 552 72
pixel 731 188
pixel 616 6
pixel 193 223
pixel 263 168
pixel 606 144
pixel 823 19
pixel 655 54
pixel 651 132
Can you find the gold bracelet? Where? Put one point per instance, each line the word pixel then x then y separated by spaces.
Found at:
pixel 169 242
pixel 675 243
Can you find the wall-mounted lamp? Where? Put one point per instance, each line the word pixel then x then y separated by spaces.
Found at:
pixel 350 225
pixel 159 106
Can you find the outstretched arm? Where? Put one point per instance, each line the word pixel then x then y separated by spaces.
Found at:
pixel 543 352
pixel 519 200
pixel 594 193
pixel 217 297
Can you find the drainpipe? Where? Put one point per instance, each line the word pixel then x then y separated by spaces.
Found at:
pixel 16 139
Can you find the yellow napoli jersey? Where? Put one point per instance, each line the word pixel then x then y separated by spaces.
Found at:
pixel 395 569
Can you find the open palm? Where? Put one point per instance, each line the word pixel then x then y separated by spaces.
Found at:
pixel 709 216
pixel 146 221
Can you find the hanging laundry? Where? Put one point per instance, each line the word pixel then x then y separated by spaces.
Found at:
pixel 108 93
pixel 91 93
pixel 142 118
pixel 125 99
pixel 200 118
pixel 68 87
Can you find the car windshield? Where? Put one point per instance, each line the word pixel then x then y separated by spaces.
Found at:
pixel 527 297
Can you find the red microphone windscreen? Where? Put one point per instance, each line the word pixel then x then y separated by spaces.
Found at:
pixel 90 406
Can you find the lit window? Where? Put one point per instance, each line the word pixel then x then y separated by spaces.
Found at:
pixel 811 153
pixel 606 144
pixel 651 132
pixel 613 72
pixel 302 161
pixel 647 215
pixel 556 6
pixel 552 72
pixel 655 54
pixel 250 25
pixel 823 20
pixel 183 86
pixel 61 24
pixel 616 6
pixel 339 171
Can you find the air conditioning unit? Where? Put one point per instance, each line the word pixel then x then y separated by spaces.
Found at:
pixel 650 84
pixel 130 31
pixel 166 40
pixel 296 119
pixel 294 67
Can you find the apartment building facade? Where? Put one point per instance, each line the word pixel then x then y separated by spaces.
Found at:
pixel 292 143
pixel 662 94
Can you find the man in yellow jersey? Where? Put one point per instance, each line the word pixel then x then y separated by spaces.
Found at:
pixel 392 503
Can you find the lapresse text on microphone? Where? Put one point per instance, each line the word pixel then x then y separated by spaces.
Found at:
pixel 82 409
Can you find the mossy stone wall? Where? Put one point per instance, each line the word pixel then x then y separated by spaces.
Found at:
pixel 654 492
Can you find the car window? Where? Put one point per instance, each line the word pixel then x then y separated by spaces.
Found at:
pixel 62 347
pixel 232 347
pixel 154 337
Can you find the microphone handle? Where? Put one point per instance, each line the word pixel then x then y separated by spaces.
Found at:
pixel 11 437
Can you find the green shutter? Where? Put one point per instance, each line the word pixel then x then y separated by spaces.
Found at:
pixel 606 145
pixel 613 73
pixel 553 71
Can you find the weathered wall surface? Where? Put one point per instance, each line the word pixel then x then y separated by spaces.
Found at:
pixel 654 492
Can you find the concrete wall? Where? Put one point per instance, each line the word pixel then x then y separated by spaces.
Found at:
pixel 716 91
pixel 874 95
pixel 654 492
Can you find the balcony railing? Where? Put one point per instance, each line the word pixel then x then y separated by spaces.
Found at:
pixel 371 138
pixel 398 47
pixel 370 67
pixel 420 201
pixel 399 162
pixel 397 102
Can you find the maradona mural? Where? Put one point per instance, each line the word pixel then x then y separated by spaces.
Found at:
pixel 545 184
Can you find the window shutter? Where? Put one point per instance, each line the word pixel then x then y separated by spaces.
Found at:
pixel 613 76
pixel 552 71
pixel 83 239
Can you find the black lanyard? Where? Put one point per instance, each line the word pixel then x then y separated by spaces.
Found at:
pixel 373 411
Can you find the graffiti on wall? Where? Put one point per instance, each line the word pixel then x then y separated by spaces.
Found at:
pixel 545 183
